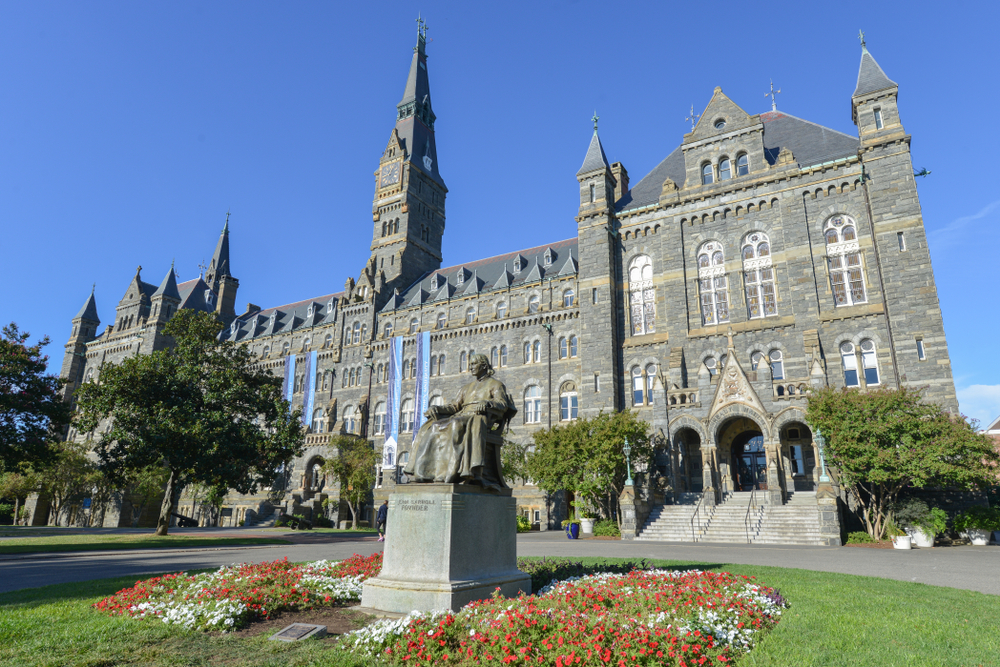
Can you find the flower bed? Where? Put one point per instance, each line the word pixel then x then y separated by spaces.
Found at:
pixel 645 617
pixel 232 596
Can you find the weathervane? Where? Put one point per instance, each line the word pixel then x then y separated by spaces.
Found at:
pixel 421 27
pixel 202 268
pixel 693 118
pixel 595 119
pixel 774 105
pixel 861 36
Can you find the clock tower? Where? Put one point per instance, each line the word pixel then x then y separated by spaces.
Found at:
pixel 408 208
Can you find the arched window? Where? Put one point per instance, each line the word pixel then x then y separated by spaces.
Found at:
pixel 850 362
pixel 441 365
pixel 364 332
pixel 710 364
pixel 442 320
pixel 356 333
pixel 568 297
pixel 90 375
pixel 503 356
pixel 387 330
pixel 755 360
pixel 650 382
pixel 642 295
pixel 351 379
pixel 379 370
pixel 712 283
pixel 502 310
pixel 379 427
pixel 406 415
pixel 328 341
pixel 572 346
pixel 536 352
pixel 742 165
pixel 758 276
pixel 343 379
pixel 532 405
pixel 318 421
pixel 434 365
pixel 869 362
pixel 527 353
pixel 722 362
pixel 846 276
pixel 406 368
pixel 437 400
pixel 463 362
pixel 725 169
pixel 413 325
pixel 350 419
pixel 266 352
pixel 470 315
pixel 533 302
pixel 460 277
pixel 707 174
pixel 285 347
pixel 495 357
pixel 326 380
pixel 638 387
pixel 563 348
pixel 567 402
pixel 774 357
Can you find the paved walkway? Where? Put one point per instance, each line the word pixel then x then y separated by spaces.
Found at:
pixel 972 568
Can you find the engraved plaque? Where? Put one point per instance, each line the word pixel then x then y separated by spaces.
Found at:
pixel 298 631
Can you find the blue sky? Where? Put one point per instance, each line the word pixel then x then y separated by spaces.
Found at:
pixel 127 130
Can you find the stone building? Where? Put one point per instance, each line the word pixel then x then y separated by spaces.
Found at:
pixel 765 256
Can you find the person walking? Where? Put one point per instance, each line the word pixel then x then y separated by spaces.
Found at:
pixel 380 517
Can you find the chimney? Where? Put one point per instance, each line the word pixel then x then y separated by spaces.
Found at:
pixel 621 179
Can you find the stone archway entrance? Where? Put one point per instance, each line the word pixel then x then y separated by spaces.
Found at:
pixel 749 462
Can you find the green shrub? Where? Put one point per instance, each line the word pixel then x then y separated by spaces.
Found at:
pixel 523 525
pixel 606 528
pixel 545 570
pixel 914 513
pixel 859 537
pixel 566 522
pixel 978 518
pixel 282 521
pixel 322 522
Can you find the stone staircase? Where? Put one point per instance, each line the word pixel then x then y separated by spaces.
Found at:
pixel 796 522
pixel 266 518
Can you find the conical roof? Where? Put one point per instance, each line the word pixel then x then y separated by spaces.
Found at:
pixel 870 76
pixel 89 310
pixel 168 287
pixel 596 159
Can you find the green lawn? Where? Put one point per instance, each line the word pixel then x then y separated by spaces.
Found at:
pixel 834 619
pixel 54 541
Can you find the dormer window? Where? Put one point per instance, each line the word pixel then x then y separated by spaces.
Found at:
pixel 548 258
pixel 720 124
pixel 517 265
pixel 329 307
pixel 309 311
pixel 460 278
pixel 209 297
pixel 742 165
pixel 707 175
pixel 274 316
pixel 434 282
pixel 233 326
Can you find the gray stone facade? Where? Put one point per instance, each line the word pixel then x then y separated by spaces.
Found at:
pixel 764 257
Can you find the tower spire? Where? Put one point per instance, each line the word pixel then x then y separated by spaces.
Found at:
pixel 414 113
pixel 219 266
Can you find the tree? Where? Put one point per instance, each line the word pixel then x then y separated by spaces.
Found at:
pixel 585 457
pixel 514 461
pixel 17 485
pixel 68 479
pixel 145 485
pixel 202 410
pixel 31 402
pixel 354 465
pixel 887 440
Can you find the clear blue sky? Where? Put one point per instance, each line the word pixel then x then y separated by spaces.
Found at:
pixel 127 130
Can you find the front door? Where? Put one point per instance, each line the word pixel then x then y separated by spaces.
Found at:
pixel 751 462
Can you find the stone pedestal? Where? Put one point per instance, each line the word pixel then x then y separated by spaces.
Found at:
pixel 446 545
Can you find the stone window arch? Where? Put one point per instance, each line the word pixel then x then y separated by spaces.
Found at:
pixel 725 169
pixel 569 297
pixel 317 421
pixel 642 296
pixel 707 174
pixel 758 275
pixel 406 415
pixel 442 320
pixel 742 164
pixel 568 402
pixel 847 279
pixel 534 301
pixel 414 324
pixel 470 315
pixel 532 405
pixel 713 284
pixel 379 424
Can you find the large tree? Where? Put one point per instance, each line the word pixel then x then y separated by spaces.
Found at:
pixel 17 485
pixel 884 441
pixel 31 403
pixel 202 410
pixel 354 465
pixel 585 457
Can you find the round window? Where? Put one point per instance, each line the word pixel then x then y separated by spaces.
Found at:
pixel 719 124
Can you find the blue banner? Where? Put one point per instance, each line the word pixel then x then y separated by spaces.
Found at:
pixel 309 400
pixel 422 371
pixel 392 407
pixel 288 386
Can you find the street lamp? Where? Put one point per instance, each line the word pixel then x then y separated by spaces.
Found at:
pixel 820 441
pixel 628 466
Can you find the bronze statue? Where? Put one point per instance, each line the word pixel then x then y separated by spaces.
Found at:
pixel 460 442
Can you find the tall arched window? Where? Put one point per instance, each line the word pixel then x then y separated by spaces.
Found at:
pixel 413 325
pixel 406 368
pixel 642 295
pixel 503 356
pixel 356 333
pixel 711 365
pixel 495 357
pixel 777 362
pixel 266 351
pixel 706 174
pixel 844 255
pixel 758 276
pixel 364 332
pixel 568 402
pixel 328 341
pixel 742 165
pixel 502 310
pixel 869 362
pixel 563 348
pixel 650 382
pixel 532 405
pixel 350 419
pixel 527 353
pixel 470 315
pixel 572 346
pixel 406 415
pixel 437 400
pixel 536 352
pixel 285 347
pixel 463 362
pixel 441 365
pixel 568 297
pixel 442 320
pixel 850 362
pixel 638 387
pixel 533 303
pixel 713 285
pixel 755 360
pixel 725 169
pixel 318 421
pixel 387 330
pixel 379 427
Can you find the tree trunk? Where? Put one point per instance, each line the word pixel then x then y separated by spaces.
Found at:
pixel 354 515
pixel 167 507
pixel 17 502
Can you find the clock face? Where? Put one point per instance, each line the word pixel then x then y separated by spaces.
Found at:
pixel 390 174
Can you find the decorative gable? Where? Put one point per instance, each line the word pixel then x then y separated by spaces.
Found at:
pixel 734 387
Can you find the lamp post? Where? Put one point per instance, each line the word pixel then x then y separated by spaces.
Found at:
pixel 628 465
pixel 820 441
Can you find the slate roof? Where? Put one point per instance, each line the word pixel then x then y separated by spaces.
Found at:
pixel 491 273
pixel 809 143
pixel 288 317
pixel 168 287
pixel 89 310
pixel 870 76
pixel 595 158
pixel 220 259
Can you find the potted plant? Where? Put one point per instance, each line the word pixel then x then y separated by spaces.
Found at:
pixel 977 522
pixel 900 540
pixel 922 523
pixel 585 517
pixel 572 528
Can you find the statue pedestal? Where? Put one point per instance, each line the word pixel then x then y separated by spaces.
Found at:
pixel 445 546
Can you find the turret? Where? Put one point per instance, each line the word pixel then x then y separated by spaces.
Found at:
pixel 874 102
pixel 219 277
pixel 84 330
pixel 597 183
pixel 166 299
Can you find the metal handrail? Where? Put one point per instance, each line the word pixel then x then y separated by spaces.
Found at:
pixel 697 509
pixel 746 519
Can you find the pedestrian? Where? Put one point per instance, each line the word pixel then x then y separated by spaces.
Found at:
pixel 380 517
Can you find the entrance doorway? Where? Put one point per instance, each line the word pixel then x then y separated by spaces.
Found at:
pixel 751 461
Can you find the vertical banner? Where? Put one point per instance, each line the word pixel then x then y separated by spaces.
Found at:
pixel 422 371
pixel 392 409
pixel 309 399
pixel 288 386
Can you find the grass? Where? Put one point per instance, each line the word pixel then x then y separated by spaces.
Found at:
pixel 53 542
pixel 834 619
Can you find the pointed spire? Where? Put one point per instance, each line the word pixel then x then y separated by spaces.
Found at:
pixel 89 310
pixel 595 159
pixel 168 288
pixel 414 115
pixel 870 75
pixel 220 260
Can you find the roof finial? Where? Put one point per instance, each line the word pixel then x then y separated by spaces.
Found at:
pixel 595 119
pixel 225 229
pixel 774 105
pixel 201 269
pixel 861 36
pixel 92 289
pixel 693 118
pixel 421 35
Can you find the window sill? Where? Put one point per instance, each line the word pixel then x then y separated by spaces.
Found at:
pixel 757 324
pixel 646 339
pixel 847 312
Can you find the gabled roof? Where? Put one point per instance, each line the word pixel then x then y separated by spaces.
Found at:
pixel 870 76
pixel 595 158
pixel 290 317
pixel 192 295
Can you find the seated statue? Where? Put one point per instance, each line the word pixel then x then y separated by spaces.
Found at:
pixel 460 442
